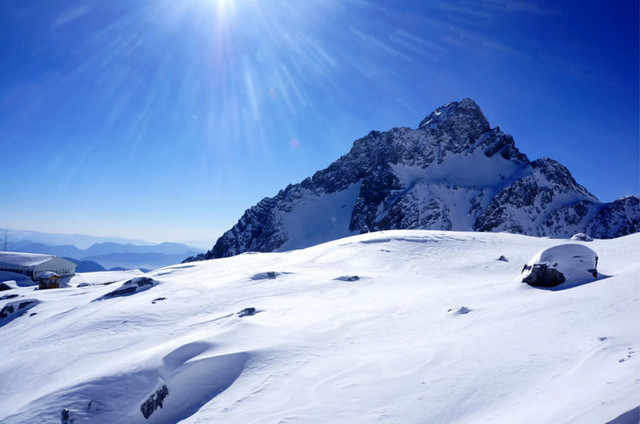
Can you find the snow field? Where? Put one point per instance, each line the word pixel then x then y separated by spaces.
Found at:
pixel 388 347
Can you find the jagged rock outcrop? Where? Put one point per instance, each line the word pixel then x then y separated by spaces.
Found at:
pixel 616 219
pixel 454 172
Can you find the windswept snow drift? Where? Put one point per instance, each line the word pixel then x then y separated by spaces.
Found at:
pixel 393 327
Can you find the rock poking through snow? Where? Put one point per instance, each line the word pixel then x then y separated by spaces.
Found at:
pixel 13 310
pixel 154 401
pixel 129 287
pixel 350 278
pixel 459 310
pixel 572 263
pixel 247 312
pixel 581 237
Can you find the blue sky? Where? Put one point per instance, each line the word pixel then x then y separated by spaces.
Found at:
pixel 164 120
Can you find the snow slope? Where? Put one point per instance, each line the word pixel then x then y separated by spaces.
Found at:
pixel 393 327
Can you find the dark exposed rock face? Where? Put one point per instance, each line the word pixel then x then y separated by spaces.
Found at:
pixel 616 219
pixel 543 276
pixel 533 195
pixel 154 401
pixel 454 172
pixel 65 417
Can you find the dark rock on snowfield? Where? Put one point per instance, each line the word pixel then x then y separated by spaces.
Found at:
pixel 130 287
pixel 454 172
pixel 247 312
pixel 571 263
pixel 15 309
pixel 541 275
pixel 154 401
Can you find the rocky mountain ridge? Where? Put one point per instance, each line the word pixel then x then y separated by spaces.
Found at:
pixel 454 172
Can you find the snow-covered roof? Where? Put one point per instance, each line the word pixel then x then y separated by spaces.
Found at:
pixel 48 274
pixel 23 259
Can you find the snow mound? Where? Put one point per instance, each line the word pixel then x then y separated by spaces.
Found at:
pixel 571 263
pixel 17 279
pixel 185 380
pixel 13 310
pixel 581 237
pixel 129 287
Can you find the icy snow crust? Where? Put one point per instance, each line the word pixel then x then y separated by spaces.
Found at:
pixel 388 344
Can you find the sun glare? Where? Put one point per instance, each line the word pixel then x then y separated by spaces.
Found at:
pixel 223 5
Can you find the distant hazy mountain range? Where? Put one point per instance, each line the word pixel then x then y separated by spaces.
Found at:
pixel 453 172
pixel 81 241
pixel 108 255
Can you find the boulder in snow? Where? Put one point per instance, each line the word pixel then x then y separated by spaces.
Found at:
pixel 129 287
pixel 269 275
pixel 349 278
pixel 247 312
pixel 13 310
pixel 581 237
pixel 572 263
pixel 459 310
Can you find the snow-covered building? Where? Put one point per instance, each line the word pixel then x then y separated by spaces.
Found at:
pixel 33 264
pixel 48 280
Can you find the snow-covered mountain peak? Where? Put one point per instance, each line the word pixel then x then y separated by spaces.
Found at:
pixel 460 122
pixel 451 111
pixel 454 172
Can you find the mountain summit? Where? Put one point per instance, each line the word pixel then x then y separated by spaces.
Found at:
pixel 454 172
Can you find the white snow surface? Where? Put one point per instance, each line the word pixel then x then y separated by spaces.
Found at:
pixel 495 172
pixel 103 277
pixel 318 219
pixel 435 329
